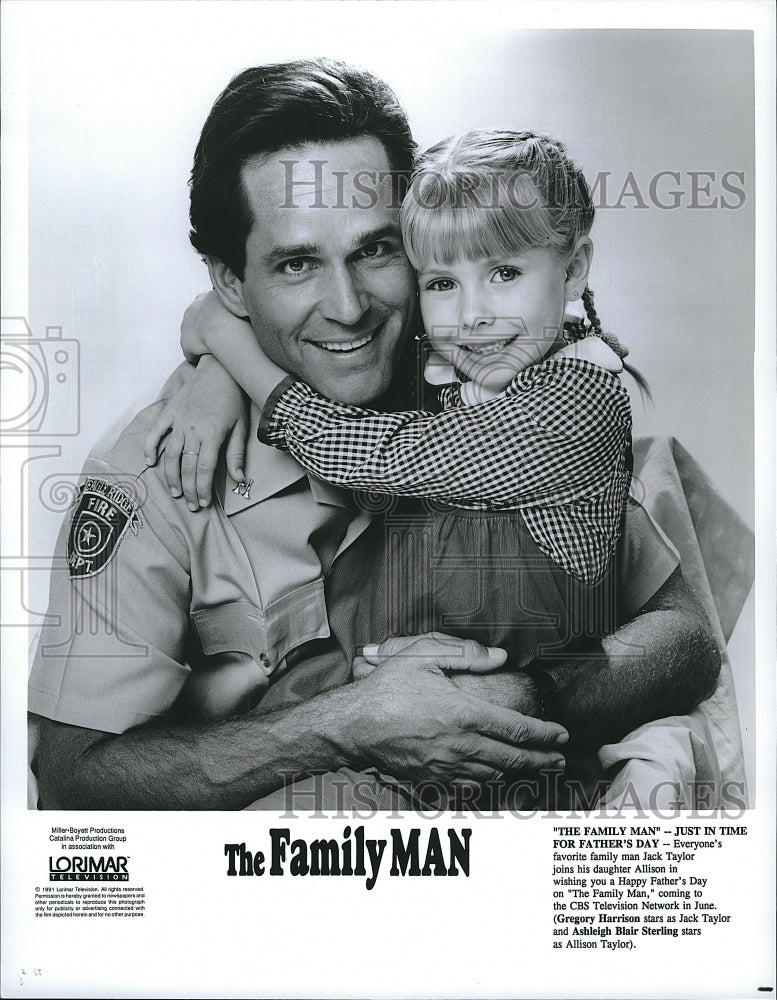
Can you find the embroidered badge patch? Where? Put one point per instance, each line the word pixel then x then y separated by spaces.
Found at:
pixel 103 513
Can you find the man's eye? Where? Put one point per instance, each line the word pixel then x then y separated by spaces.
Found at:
pixel 374 251
pixel 505 273
pixel 440 285
pixel 298 265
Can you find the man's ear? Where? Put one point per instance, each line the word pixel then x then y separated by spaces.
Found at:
pixel 578 267
pixel 228 286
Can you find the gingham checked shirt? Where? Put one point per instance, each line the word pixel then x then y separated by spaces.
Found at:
pixel 555 446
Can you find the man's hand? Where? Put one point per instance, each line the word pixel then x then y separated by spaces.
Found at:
pixel 407 718
pixel 486 679
pixel 413 721
pixel 460 655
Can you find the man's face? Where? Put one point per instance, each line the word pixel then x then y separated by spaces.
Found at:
pixel 327 287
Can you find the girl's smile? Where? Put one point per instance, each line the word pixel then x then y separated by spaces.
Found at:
pixel 498 316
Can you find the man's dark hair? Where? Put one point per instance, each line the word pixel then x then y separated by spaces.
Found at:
pixel 268 108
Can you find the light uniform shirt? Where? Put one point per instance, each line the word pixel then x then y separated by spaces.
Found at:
pixel 152 604
pixel 155 610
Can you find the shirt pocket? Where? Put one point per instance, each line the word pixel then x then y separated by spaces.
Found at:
pixel 266 634
pixel 242 645
pixel 230 670
pixel 237 627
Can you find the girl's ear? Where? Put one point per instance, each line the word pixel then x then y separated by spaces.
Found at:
pixel 578 267
pixel 228 286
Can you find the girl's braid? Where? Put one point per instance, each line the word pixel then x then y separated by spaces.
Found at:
pixel 591 313
pixel 595 327
pixel 576 331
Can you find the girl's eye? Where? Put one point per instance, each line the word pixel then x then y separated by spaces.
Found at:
pixel 440 285
pixel 298 265
pixel 506 273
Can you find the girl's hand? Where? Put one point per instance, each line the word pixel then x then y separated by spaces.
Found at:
pixel 199 417
pixel 492 373
pixel 208 327
pixel 207 323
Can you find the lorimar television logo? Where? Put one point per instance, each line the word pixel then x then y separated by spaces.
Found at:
pixel 88 868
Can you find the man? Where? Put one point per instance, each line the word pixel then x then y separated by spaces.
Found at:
pixel 188 642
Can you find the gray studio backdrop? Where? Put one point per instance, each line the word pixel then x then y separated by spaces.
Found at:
pixel 663 120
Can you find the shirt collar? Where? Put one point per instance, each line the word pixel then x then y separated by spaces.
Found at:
pixel 268 472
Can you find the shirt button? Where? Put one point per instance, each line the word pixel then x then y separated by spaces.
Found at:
pixel 265 660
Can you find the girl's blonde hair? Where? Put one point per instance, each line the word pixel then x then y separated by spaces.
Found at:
pixel 493 193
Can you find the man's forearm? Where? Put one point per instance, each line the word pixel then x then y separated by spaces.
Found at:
pixel 224 765
pixel 406 718
pixel 662 663
pixel 511 689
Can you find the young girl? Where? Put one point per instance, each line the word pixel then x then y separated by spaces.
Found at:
pixel 522 477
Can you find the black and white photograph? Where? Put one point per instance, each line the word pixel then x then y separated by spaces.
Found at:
pixel 388 492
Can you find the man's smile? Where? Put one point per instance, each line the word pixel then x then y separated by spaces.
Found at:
pixel 346 346
pixel 339 317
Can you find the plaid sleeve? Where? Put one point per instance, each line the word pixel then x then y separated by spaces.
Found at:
pixel 553 438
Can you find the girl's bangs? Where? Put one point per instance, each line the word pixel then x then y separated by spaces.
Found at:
pixel 445 219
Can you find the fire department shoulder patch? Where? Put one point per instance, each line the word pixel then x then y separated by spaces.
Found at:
pixel 100 520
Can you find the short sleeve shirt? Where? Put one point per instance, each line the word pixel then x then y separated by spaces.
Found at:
pixel 159 612
pixel 154 607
